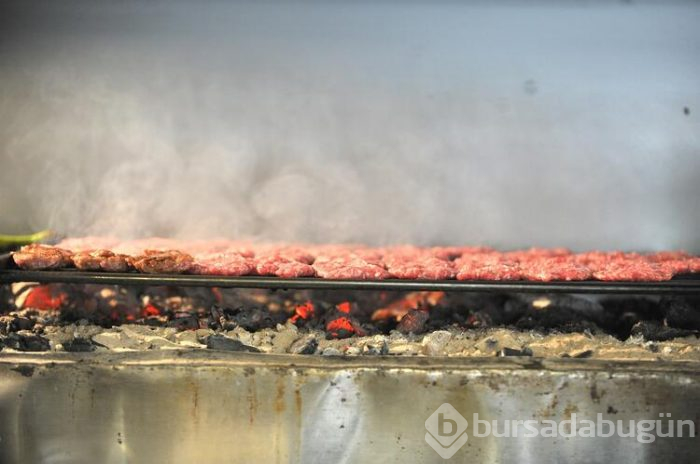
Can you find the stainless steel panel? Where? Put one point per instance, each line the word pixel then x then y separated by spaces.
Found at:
pixel 219 407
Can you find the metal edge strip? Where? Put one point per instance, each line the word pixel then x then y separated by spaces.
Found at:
pixel 208 358
pixel 676 286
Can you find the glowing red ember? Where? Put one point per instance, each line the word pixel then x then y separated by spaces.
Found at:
pixel 43 297
pixel 414 300
pixel 340 328
pixel 305 312
pixel 150 310
pixel 344 307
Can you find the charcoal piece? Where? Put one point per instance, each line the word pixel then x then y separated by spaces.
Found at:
pixel 343 327
pixel 184 321
pixel 654 331
pixel 250 318
pixel 621 314
pixel 7 299
pixel 20 323
pixel 413 322
pixel 220 342
pixel 383 326
pixel 562 313
pixel 306 345
pixel 377 350
pixel 79 345
pixel 26 342
pixel 12 323
pixel 445 316
pixel 682 313
pixel 513 352
pixel 561 319
pixel 479 319
pixel 217 319
pixel 489 309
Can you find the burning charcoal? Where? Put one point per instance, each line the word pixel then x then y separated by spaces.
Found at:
pixel 22 342
pixel 621 314
pixel 413 322
pixel 217 319
pixel 682 313
pixel 383 326
pixel 479 319
pixel 445 316
pixel 254 318
pixel 305 345
pixel 346 307
pixel 481 310
pixel 654 331
pixel 154 321
pixel 45 297
pixel 223 343
pixel 408 302
pixel 337 320
pixel 79 345
pixel 561 313
pixel 343 327
pixel 150 311
pixel 303 314
pixel 184 321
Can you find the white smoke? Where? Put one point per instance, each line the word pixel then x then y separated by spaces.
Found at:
pixel 430 124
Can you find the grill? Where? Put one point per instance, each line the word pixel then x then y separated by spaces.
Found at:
pixel 331 140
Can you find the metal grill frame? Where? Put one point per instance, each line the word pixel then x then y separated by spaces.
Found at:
pixel 683 285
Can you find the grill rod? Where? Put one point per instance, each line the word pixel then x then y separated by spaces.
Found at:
pixel 676 286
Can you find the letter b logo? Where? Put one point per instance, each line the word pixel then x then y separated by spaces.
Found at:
pixel 446 430
pixel 441 426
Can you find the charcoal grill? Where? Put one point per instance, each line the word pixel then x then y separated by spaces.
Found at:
pixel 237 407
pixel 553 124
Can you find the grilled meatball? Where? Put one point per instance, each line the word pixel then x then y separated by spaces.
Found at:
pixel 104 260
pixel 37 257
pixel 162 262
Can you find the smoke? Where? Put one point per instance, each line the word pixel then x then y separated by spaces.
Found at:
pixel 429 124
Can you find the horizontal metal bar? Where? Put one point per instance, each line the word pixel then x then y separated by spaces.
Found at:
pixel 676 286
pixel 204 359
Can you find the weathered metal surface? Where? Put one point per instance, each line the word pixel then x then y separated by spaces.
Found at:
pixel 183 407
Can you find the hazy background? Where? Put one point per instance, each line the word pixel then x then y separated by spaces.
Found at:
pixel 573 123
